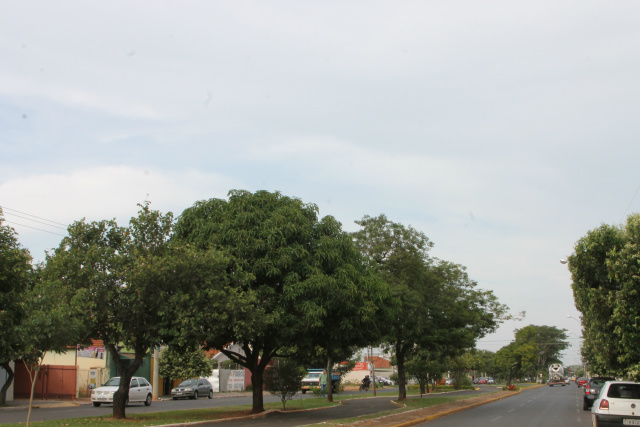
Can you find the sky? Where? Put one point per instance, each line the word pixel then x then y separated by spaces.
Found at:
pixel 503 130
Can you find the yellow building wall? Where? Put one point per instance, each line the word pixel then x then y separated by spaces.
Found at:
pixel 64 359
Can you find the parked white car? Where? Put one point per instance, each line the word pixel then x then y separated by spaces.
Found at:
pixel 618 404
pixel 139 391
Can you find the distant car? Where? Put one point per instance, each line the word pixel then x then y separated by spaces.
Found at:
pixel 139 391
pixel 592 390
pixel 490 380
pixel 192 389
pixel 482 380
pixel 581 382
pixel 617 404
pixel 384 381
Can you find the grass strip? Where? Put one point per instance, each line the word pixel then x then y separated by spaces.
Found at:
pixel 410 405
pixel 174 417
pixel 211 414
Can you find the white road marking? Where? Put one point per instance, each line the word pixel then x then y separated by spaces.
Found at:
pixel 496 418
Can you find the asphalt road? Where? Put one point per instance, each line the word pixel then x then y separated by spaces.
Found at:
pixel 541 407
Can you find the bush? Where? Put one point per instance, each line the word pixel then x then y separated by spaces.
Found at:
pixel 283 379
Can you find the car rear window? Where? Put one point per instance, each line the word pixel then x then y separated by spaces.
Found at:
pixel 624 391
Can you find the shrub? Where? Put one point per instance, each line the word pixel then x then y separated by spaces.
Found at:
pixel 283 379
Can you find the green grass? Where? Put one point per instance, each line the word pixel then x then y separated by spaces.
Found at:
pixel 174 417
pixel 211 414
pixel 409 405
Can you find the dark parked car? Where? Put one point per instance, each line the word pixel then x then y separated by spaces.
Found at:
pixel 193 389
pixel 592 389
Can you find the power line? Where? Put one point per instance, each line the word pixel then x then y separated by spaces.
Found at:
pixel 4 208
pixel 39 229
pixel 40 222
pixel 632 199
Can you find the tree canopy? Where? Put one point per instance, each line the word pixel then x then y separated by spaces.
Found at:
pixel 15 272
pixel 533 349
pixel 606 283
pixel 297 280
pixel 439 310
pixel 130 282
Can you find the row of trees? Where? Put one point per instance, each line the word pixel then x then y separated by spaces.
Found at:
pixel 261 270
pixel 531 352
pixel 605 271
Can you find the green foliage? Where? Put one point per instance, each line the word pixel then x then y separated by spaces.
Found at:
pixel 132 284
pixel 425 367
pixel 284 379
pixel 15 273
pixel 605 270
pixel 460 365
pixel 533 349
pixel 298 283
pixel 184 362
pixel 437 306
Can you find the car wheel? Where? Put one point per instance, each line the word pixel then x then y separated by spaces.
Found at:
pixel 210 394
pixel 195 394
pixel 96 404
pixel 127 402
pixel 175 398
pixel 304 391
pixel 147 401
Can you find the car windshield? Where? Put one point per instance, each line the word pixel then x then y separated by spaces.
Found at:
pixel 114 382
pixel 597 382
pixel 624 391
pixel 188 383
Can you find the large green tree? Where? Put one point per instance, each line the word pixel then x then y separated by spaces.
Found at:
pixel 604 271
pixel 130 282
pixel 303 284
pixel 439 308
pixel 15 271
pixel 399 255
pixel 346 305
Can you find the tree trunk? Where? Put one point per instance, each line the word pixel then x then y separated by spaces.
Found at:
pixel 121 396
pixel 402 390
pixel 329 381
pixel 33 375
pixel 7 384
pixel 257 382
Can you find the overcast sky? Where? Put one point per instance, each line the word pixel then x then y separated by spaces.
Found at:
pixel 503 130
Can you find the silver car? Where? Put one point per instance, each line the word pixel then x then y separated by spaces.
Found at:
pixel 618 404
pixel 192 389
pixel 139 391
